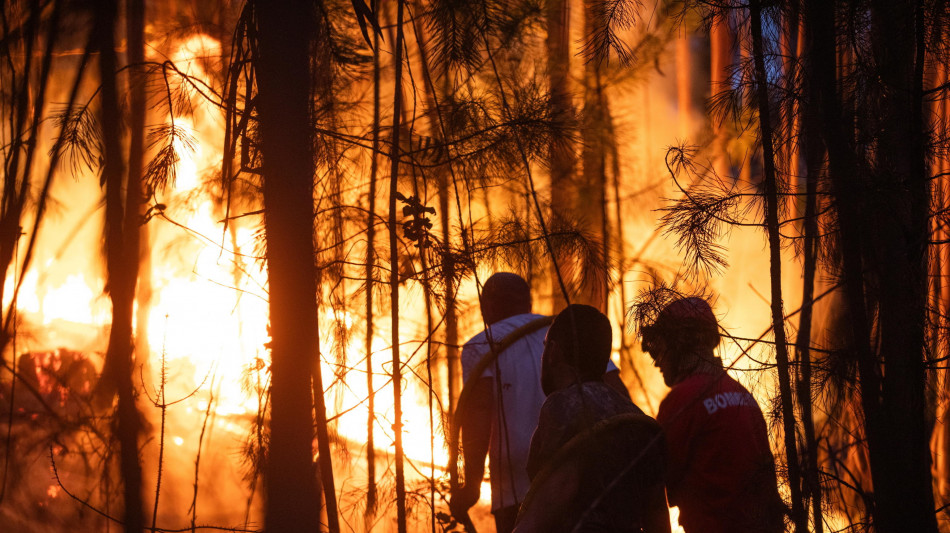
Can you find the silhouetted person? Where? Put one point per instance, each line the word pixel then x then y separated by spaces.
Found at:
pixel 720 469
pixel 596 460
pixel 504 397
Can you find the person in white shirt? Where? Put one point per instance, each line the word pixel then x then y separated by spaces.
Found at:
pixel 503 398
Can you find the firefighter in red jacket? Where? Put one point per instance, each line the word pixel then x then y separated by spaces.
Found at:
pixel 720 471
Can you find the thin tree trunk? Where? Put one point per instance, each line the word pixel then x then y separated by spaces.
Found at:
pixel 684 85
pixel 135 27
pixel 370 288
pixel 122 262
pixel 11 210
pixel 720 52
pixel 562 157
pixel 284 30
pixel 453 364
pixel 810 142
pixel 452 360
pixel 799 515
pixel 133 229
pixel 591 200
pixel 394 272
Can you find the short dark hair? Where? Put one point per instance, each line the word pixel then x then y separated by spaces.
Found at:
pixel 585 337
pixel 510 290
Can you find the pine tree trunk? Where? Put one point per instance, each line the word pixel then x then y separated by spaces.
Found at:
pixel 11 204
pixel 562 157
pixel 941 437
pixel 799 515
pixel 284 34
pixel 809 142
pixel 901 461
pixel 720 55
pixel 882 220
pixel 122 229
pixel 684 85
pixel 444 179
pixel 394 273
pixel 370 288
pixel 135 23
pixel 591 199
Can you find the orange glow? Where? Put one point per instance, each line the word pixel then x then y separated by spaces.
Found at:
pixel 206 329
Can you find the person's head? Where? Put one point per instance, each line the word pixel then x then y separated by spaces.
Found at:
pixel 682 338
pixel 504 295
pixel 576 348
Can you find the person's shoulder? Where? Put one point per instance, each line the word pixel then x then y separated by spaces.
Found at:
pixel 697 383
pixel 729 384
pixel 685 394
pixel 501 329
pixel 520 320
pixel 596 394
pixel 560 401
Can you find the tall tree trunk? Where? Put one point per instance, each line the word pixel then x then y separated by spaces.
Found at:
pixel 901 462
pixel 684 85
pixel 562 156
pixel 135 28
pixel 882 220
pixel 591 199
pixel 941 437
pixel 775 255
pixel 444 178
pixel 809 142
pixel 394 272
pixel 285 29
pixel 122 232
pixel 720 55
pixel 370 288
pixel 17 178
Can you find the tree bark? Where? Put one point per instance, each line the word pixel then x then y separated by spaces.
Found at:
pixel 370 287
pixel 799 515
pixel 284 35
pixel 394 272
pixel 882 222
pixel 562 158
pixel 720 52
pixel 122 227
pixel 591 199
pixel 809 142
pixel 901 461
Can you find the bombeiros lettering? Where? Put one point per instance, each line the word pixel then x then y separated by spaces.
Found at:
pixel 723 400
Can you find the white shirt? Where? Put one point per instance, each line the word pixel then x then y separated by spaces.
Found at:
pixel 517 403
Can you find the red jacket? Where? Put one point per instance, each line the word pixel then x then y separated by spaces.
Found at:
pixel 720 471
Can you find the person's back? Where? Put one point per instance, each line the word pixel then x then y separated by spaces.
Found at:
pixel 596 460
pixel 721 474
pixel 514 376
pixel 501 399
pixel 614 451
